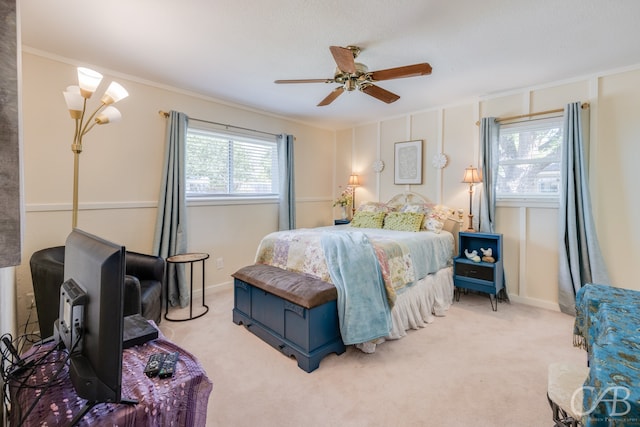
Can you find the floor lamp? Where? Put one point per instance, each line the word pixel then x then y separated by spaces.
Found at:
pixel 471 177
pixel 354 181
pixel 76 100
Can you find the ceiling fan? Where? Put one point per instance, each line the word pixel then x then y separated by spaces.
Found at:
pixel 353 75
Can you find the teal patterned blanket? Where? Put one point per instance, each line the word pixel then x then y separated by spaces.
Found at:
pixel 363 310
pixel 607 325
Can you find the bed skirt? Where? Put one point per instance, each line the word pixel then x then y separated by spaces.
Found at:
pixel 418 305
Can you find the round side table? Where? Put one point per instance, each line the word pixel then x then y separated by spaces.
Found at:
pixel 190 258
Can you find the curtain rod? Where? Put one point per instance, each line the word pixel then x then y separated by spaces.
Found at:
pixel 523 116
pixel 165 114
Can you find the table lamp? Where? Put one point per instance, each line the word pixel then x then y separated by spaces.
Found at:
pixel 354 181
pixel 471 177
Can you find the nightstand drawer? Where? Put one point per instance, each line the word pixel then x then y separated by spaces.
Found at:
pixel 476 271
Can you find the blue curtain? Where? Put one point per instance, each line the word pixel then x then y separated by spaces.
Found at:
pixel 287 209
pixel 489 134
pixel 580 259
pixel 171 224
pixel 489 138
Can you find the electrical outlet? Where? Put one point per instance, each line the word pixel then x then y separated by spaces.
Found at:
pixel 220 263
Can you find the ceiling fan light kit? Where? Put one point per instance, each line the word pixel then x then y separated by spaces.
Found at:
pixel 353 75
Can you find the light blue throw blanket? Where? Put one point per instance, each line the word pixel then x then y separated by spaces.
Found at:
pixel 363 310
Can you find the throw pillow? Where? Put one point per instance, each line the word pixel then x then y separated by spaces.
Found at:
pixel 365 219
pixel 403 221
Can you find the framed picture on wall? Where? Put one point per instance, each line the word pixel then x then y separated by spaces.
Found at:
pixel 408 162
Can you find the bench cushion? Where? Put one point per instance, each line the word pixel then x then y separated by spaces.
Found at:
pixel 298 288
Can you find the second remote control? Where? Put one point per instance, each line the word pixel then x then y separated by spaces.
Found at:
pixel 168 365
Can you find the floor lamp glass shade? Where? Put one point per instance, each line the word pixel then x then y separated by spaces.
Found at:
pixel 88 80
pixel 73 98
pixel 114 93
pixel 109 115
pixel 471 176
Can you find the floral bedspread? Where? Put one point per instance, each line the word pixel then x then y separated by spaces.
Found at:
pixel 404 257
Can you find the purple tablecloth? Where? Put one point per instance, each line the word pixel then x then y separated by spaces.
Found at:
pixel 180 400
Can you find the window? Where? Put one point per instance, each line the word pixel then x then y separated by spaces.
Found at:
pixel 222 164
pixel 529 155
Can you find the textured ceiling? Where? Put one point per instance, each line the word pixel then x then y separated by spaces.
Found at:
pixel 233 50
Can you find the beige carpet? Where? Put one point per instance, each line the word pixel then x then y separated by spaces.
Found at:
pixel 474 367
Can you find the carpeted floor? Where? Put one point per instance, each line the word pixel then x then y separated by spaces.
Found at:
pixel 474 367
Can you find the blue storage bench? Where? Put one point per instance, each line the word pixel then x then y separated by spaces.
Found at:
pixel 293 312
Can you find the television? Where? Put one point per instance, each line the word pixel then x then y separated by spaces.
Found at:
pixel 91 323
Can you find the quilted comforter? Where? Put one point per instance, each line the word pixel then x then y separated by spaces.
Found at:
pixel 404 257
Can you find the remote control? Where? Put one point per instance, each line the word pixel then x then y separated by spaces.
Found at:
pixel 154 364
pixel 168 365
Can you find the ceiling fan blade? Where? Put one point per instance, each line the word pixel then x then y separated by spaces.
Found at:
pixel 332 96
pixel 306 81
pixel 344 59
pixel 379 93
pixel 401 72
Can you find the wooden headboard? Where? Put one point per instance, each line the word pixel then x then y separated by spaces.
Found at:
pixel 453 224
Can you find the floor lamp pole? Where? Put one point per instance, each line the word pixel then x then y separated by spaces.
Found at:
pixel 77 149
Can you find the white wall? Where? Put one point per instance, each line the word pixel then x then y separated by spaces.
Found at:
pixel 120 171
pixel 530 230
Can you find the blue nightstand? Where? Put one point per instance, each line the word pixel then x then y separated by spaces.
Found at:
pixel 487 277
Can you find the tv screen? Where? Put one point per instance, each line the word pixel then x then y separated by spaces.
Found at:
pixel 94 271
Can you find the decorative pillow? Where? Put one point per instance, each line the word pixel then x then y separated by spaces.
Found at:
pixel 403 221
pixel 365 219
pixel 433 224
pixel 374 207
pixel 436 218
pixel 423 208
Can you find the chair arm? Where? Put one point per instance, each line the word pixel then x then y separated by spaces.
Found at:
pixel 132 292
pixel 145 267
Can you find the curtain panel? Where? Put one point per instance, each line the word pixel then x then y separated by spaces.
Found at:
pixel 580 259
pixel 489 134
pixel 287 207
pixel 171 223
pixel 489 140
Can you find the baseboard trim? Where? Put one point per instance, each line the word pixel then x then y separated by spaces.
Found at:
pixel 535 302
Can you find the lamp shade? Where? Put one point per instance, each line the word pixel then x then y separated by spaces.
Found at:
pixel 471 175
pixel 88 80
pixel 109 115
pixel 74 100
pixel 354 181
pixel 114 93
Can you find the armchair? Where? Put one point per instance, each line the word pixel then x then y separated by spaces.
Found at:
pixel 143 285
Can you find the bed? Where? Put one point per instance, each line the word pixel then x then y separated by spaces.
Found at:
pixel 389 280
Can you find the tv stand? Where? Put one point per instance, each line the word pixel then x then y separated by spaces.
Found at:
pixel 188 390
